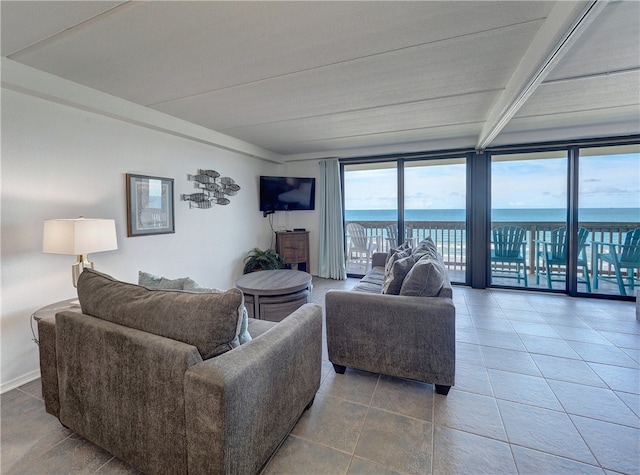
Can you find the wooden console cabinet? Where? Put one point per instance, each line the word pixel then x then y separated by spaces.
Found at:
pixel 293 246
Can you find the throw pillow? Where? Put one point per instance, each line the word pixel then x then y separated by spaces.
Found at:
pixel 156 282
pixel 208 321
pixel 393 283
pixel 425 279
pixel 402 247
pixel 244 335
pixel 426 247
pixel 393 257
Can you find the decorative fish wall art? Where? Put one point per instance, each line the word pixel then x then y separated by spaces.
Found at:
pixel 214 189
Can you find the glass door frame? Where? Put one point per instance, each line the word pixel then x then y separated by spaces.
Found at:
pixel 400 160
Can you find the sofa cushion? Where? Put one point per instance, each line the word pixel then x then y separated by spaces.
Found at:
pixel 425 279
pixel 161 283
pixel 375 276
pixel 244 335
pixel 399 269
pixel 208 321
pixel 367 287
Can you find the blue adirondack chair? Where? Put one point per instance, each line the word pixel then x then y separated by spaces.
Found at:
pixel 619 257
pixel 554 257
pixel 509 249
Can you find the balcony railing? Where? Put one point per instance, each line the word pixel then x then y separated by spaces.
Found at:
pixel 450 238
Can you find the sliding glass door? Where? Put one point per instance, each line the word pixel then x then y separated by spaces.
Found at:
pixel 529 220
pixel 370 207
pixel 609 214
pixel 406 200
pixel 435 196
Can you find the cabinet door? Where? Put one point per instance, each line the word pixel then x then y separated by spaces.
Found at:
pixel 288 248
pixel 302 245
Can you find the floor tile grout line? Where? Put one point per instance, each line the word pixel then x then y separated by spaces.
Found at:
pixel 104 465
pixel 568 413
pixel 586 443
pixel 512 445
pixel 39 398
pixel 364 422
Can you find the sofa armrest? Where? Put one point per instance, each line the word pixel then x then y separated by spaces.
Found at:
pixel 411 337
pixel 379 259
pixel 242 404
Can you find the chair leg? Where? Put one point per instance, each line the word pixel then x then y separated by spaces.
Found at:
pixel 630 276
pixel 620 281
pixel 586 278
pixel 548 267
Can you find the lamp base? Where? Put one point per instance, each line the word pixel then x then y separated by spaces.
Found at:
pixel 81 264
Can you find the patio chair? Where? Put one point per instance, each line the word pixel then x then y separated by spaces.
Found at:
pixel 508 250
pixel 620 257
pixel 554 255
pixel 392 236
pixel 360 245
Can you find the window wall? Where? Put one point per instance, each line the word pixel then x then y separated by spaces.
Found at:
pixel 568 213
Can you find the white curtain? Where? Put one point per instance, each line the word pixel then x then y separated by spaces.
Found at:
pixel 331 258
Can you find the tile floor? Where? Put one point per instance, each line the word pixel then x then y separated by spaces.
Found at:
pixel 545 384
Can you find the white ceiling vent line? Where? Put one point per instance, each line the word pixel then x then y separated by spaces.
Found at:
pixel 72 29
pixel 493 126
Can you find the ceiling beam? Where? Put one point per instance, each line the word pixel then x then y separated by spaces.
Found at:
pixel 26 80
pixel 564 25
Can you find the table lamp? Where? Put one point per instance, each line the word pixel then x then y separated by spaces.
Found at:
pixel 79 237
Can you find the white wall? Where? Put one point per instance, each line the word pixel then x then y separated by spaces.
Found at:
pixel 63 162
pixel 309 220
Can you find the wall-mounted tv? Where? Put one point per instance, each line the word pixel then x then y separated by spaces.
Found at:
pixel 281 193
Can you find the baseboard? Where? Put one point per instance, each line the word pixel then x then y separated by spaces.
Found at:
pixel 17 382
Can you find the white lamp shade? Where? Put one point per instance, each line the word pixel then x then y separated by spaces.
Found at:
pixel 79 236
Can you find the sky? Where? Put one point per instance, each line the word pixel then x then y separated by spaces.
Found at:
pixel 605 182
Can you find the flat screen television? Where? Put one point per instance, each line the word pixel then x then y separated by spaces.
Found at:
pixel 281 193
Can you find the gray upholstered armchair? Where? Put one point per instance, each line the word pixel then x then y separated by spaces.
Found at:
pixel 160 380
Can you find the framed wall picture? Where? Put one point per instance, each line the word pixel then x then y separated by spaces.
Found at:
pixel 149 205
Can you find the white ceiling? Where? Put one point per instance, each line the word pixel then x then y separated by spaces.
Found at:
pixel 311 79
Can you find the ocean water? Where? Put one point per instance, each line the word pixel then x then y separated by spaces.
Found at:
pixel 529 215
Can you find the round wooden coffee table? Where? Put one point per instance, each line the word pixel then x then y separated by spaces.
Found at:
pixel 274 294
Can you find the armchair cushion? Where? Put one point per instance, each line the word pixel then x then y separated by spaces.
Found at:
pixel 208 321
pixel 186 283
pixel 244 335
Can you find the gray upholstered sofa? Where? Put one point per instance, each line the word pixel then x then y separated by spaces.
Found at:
pixel 399 320
pixel 159 378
